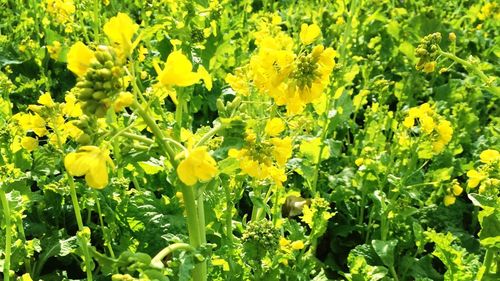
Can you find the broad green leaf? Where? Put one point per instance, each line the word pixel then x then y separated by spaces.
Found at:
pixel 385 250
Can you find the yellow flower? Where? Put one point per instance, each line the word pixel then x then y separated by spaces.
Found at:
pixel 297 245
pixel 282 149
pixel 178 71
pixel 197 166
pixel 274 127
pixel 46 100
pixel 29 143
pixel 489 156
pixel 309 33
pixel 427 124
pixel 120 30
pixel 457 189
pixel 123 100
pixel 445 131
pixel 449 200
pixel 475 178
pixel 409 122
pixel 89 161
pixel 79 58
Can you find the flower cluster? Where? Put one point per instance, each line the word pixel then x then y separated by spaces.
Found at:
pixel 259 238
pixel 427 51
pixel 436 130
pixel 61 10
pixel 47 119
pixel 293 80
pixel 264 157
pixel 452 193
pixel 487 175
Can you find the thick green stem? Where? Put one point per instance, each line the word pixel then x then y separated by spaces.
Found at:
pixel 8 235
pixel 193 223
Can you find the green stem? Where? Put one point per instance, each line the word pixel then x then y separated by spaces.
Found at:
pixel 209 135
pixel 79 221
pixel 19 224
pixel 393 273
pixel 143 139
pixel 8 235
pixel 97 22
pixel 193 223
pixel 488 259
pixel 466 64
pixel 156 261
pixel 107 239
pixel 160 137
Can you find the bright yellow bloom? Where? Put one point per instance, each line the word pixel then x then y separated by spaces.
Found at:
pixel 409 122
pixel 309 33
pixel 79 58
pixel 205 76
pixel 198 165
pixel 120 30
pixel 297 245
pixel 29 143
pixel 475 178
pixel 445 131
pixel 427 124
pixel 274 127
pixel 178 72
pixel 91 162
pixel 449 200
pixel 489 156
pixel 457 189
pixel 46 100
pixel 123 100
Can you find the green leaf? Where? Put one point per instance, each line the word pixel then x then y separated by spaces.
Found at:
pixel 385 250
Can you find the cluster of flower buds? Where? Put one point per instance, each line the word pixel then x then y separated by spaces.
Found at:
pixel 86 124
pixel 101 83
pixel 260 237
pixel 427 51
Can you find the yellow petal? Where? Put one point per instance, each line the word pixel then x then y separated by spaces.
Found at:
pixel 46 100
pixel 206 77
pixel 178 71
pixel 120 30
pixel 274 127
pixel 186 173
pixel 309 33
pixel 79 58
pixel 97 176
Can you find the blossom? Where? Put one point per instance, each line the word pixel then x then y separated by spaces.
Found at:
pixel 274 127
pixel 309 33
pixel 120 30
pixel 79 58
pixel 198 165
pixel 178 72
pixel 123 100
pixel 489 156
pixel 91 162
pixel 475 178
pixel 449 200
pixel 29 143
